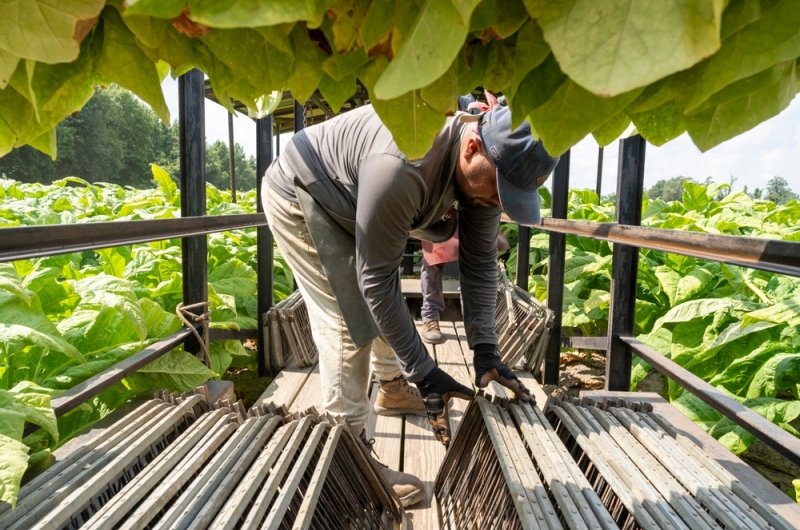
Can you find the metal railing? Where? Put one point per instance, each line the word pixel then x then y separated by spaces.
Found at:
pixel 628 236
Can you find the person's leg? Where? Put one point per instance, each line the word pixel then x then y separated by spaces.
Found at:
pixel 344 369
pixel 396 396
pixel 430 280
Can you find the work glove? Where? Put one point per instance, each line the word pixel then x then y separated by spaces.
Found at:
pixel 489 367
pixel 437 388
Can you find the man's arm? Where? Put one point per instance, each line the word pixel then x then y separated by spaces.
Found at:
pixel 478 236
pixel 478 264
pixel 390 192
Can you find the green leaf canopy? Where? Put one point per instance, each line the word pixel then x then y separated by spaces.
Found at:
pixel 712 68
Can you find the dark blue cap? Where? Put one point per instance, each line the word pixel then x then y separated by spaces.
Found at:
pixel 522 164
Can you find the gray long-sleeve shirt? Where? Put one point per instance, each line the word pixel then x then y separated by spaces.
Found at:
pixel 353 168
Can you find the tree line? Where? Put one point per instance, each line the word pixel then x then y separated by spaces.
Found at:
pixel 115 138
pixel 776 190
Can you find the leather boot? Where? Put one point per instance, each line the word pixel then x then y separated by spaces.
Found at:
pixel 408 488
pixel 397 397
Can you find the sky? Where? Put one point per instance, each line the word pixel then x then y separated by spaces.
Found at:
pixel 750 159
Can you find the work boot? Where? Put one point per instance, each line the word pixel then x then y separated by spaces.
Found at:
pixel 431 332
pixel 397 397
pixel 407 487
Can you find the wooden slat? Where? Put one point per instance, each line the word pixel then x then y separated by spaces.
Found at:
pixel 422 456
pixel 411 287
pixel 387 432
pixel 310 394
pixel 450 358
pixel 284 388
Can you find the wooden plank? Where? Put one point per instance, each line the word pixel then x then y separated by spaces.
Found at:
pixel 387 431
pixel 310 394
pixel 411 287
pixel 422 457
pixel 284 388
pixel 450 358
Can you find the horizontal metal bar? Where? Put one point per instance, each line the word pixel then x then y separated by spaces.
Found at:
pixel 586 343
pixel 94 385
pixel 232 334
pixel 26 242
pixel 770 255
pixel 766 431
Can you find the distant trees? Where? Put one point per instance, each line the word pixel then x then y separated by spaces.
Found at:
pixel 667 189
pixel 115 138
pixel 218 166
pixel 777 191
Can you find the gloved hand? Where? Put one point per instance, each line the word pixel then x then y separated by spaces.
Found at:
pixel 489 367
pixel 437 388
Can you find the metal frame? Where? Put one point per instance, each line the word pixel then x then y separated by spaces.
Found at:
pixel 781 257
pixel 27 242
pixel 555 270
pixel 38 241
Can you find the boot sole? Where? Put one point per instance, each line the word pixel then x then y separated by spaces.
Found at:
pixel 412 498
pixel 380 411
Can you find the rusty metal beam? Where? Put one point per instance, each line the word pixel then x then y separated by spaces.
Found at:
pixel 766 431
pixel 782 257
pixel 27 242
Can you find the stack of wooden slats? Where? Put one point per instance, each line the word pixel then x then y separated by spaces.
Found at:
pixel 522 324
pixel 287 333
pixel 609 465
pixel 180 462
pixel 507 468
pixel 649 476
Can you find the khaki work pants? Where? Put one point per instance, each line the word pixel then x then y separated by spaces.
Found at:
pixel 344 369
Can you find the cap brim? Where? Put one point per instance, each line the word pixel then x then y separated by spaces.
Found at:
pixel 520 205
pixel 470 118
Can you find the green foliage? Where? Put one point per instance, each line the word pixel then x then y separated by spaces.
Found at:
pixel 733 327
pixel 218 167
pixel 115 138
pixel 778 191
pixel 64 319
pixel 713 68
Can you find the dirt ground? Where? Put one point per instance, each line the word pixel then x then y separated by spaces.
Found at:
pixel 585 370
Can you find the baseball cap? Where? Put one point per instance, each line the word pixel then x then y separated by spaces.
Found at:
pixel 522 163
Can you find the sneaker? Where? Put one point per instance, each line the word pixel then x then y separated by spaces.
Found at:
pixel 397 397
pixel 408 488
pixel 431 332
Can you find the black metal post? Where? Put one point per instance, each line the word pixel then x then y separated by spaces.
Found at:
pixel 193 189
pixel 231 158
pixel 625 260
pixel 599 186
pixel 299 116
pixel 523 256
pixel 299 124
pixel 555 270
pixel 264 128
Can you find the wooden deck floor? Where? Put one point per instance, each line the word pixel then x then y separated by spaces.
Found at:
pixel 405 443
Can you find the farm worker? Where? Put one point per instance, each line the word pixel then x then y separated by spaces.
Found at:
pixel 341 202
pixel 438 260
